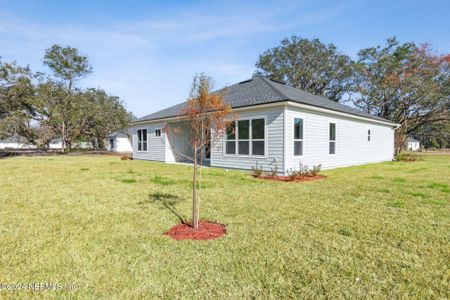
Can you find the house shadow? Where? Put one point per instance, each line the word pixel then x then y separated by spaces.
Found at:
pixel 166 201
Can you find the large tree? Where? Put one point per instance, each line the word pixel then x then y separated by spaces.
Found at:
pixel 405 83
pixel 16 101
pixel 68 65
pixel 100 115
pixel 309 65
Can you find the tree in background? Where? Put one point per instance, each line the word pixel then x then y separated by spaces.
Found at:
pixel 68 66
pixel 41 108
pixel 100 115
pixel 205 117
pixel 407 84
pixel 16 101
pixel 309 65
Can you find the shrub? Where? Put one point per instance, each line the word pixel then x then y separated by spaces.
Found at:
pixel 257 171
pixel 126 157
pixel 315 170
pixel 292 175
pixel 405 157
pixel 274 171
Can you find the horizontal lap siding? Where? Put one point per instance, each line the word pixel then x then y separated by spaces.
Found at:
pixel 155 145
pixel 352 147
pixel 274 144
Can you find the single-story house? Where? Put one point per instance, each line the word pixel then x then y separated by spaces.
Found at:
pixel 276 125
pixel 16 142
pixel 412 144
pixel 118 142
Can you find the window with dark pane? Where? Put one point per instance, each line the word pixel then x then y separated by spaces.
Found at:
pixel 298 137
pixel 258 135
pixel 230 146
pixel 332 141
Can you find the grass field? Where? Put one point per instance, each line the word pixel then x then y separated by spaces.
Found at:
pixel 373 231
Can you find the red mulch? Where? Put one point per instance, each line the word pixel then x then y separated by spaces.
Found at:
pixel 287 179
pixel 206 231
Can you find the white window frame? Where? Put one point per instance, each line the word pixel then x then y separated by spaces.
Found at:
pixel 335 138
pixel 160 133
pixel 298 140
pixel 137 140
pixel 250 139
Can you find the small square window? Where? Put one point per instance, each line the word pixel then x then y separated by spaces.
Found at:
pixel 158 132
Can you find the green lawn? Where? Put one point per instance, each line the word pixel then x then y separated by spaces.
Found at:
pixel 375 231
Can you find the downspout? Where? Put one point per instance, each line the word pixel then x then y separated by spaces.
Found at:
pixel 284 139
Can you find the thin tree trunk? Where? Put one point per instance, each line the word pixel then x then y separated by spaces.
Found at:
pixel 63 137
pixel 194 192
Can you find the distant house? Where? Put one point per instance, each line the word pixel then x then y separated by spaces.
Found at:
pixel 277 125
pixel 15 142
pixel 118 142
pixel 413 144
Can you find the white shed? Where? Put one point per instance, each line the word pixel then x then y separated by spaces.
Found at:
pixel 413 144
pixel 118 142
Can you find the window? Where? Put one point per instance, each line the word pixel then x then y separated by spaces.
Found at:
pixel 157 132
pixel 368 135
pixel 142 139
pixel 231 139
pixel 111 144
pixel 298 137
pixel 246 137
pixel 243 137
pixel 258 135
pixel 332 142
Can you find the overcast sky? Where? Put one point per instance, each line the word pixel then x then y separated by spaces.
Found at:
pixel 147 53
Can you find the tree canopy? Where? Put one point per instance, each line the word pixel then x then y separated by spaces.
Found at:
pixel 41 108
pixel 309 65
pixel 404 83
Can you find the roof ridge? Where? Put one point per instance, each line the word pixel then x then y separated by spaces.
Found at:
pixel 274 88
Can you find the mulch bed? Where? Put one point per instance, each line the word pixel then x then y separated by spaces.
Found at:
pixel 287 179
pixel 206 231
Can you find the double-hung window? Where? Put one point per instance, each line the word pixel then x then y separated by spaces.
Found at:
pixel 246 137
pixel 142 139
pixel 298 137
pixel 332 139
pixel 243 137
pixel 258 137
pixel 230 146
pixel 368 135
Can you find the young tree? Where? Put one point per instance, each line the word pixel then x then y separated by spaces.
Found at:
pixel 206 119
pixel 309 65
pixel 404 83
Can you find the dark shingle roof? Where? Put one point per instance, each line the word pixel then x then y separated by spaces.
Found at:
pixel 260 90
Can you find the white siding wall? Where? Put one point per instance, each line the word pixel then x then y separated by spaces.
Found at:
pixel 274 143
pixel 352 146
pixel 155 145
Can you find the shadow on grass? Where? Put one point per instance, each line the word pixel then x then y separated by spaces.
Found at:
pixel 168 201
